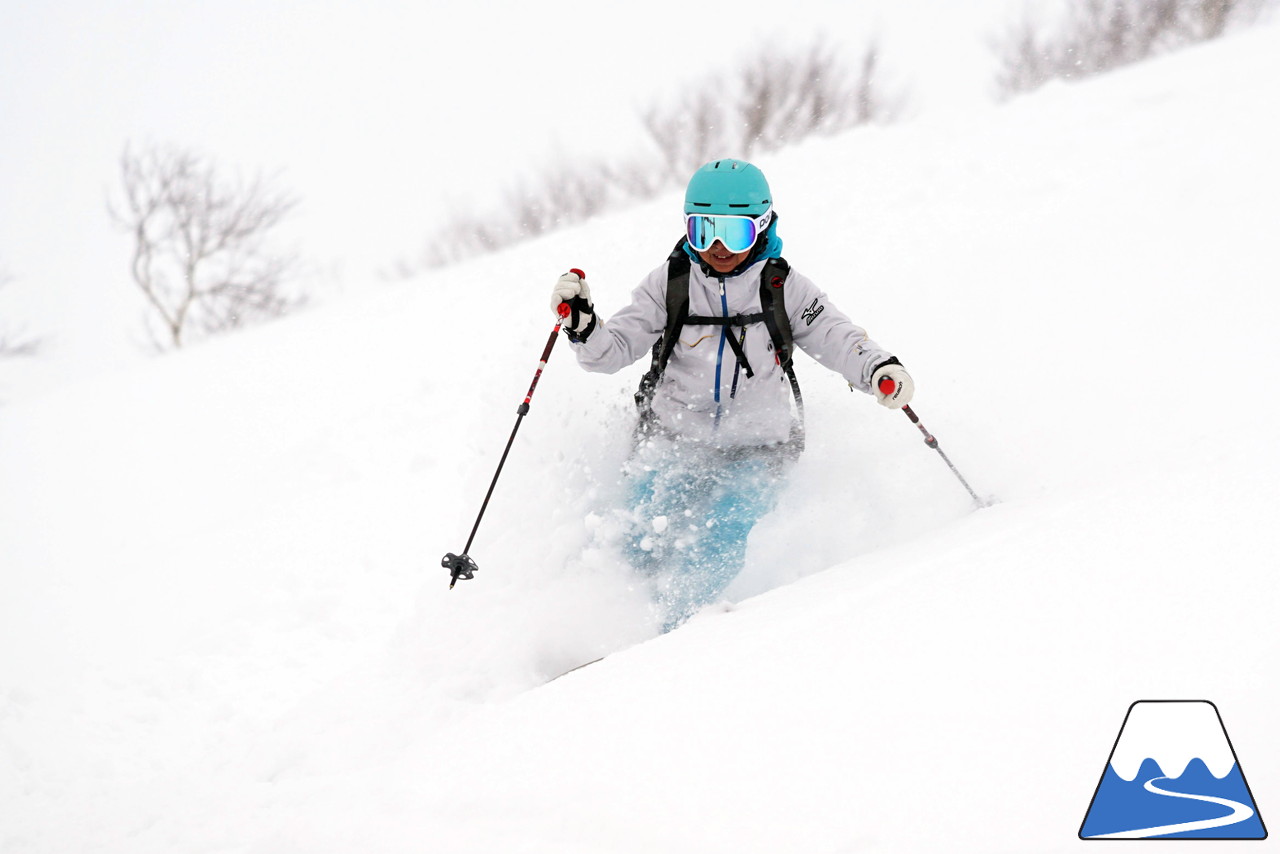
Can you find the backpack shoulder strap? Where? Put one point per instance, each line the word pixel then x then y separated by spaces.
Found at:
pixel 678 266
pixel 677 298
pixel 773 304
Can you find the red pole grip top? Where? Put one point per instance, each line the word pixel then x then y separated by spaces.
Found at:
pixel 887 385
pixel 581 275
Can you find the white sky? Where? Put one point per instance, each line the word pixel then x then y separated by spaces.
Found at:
pixel 379 115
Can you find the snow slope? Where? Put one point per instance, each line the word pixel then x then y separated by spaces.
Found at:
pixel 223 626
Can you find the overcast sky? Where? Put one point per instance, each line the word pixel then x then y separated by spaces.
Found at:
pixel 379 115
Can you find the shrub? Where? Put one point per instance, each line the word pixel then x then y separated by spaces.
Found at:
pixel 757 107
pixel 1095 36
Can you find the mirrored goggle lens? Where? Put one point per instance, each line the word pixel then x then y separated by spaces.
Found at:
pixel 737 233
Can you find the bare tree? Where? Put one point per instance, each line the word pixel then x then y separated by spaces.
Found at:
pixel 464 235
pixel 200 254
pixel 1096 36
pixel 694 128
pixel 563 192
pixel 761 105
pixel 767 104
pixel 14 342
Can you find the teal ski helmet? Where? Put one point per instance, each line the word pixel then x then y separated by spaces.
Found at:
pixel 728 187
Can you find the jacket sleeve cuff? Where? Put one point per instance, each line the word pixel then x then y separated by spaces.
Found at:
pixel 581 337
pixel 892 360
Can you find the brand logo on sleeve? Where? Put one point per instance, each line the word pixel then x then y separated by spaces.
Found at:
pixel 810 314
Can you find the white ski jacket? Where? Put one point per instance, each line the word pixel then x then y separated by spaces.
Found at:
pixel 704 394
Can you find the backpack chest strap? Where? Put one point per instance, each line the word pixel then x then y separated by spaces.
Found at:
pixel 736 320
pixel 740 320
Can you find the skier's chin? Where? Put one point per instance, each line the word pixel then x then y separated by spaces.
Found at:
pixel 721 260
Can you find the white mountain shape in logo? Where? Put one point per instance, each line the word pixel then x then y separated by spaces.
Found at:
pixel 1173 733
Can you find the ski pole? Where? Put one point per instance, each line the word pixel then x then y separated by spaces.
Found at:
pixel 461 565
pixel 887 386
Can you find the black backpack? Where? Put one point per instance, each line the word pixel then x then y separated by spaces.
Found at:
pixel 773 314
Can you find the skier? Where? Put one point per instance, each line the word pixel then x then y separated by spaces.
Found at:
pixel 717 434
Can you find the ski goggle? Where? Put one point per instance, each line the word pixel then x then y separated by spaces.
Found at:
pixel 737 233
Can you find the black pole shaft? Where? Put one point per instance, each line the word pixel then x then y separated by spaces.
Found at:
pixel 520 414
pixel 484 506
pixel 933 443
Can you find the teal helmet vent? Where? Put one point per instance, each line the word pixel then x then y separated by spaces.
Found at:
pixel 728 187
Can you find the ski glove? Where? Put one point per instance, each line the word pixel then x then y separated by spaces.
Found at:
pixel 892 385
pixel 572 288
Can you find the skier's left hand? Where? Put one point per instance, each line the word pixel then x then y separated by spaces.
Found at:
pixel 571 288
pixel 892 385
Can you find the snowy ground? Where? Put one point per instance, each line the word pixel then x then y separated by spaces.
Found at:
pixel 224 628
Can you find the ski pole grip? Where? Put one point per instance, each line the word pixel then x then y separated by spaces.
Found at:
pixel 564 309
pixel 887 385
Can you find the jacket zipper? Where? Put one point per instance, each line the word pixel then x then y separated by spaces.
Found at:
pixel 724 331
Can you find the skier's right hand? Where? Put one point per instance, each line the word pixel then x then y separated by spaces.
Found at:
pixel 892 385
pixel 572 288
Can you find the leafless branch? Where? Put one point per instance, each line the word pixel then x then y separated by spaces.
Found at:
pixel 15 342
pixel 200 244
pixel 1100 35
pixel 770 100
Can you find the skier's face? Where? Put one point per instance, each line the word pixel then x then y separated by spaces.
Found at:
pixel 720 259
